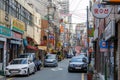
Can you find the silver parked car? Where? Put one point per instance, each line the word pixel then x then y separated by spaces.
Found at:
pixel 51 60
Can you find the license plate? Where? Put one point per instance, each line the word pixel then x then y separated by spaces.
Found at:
pixel 77 67
pixel 14 71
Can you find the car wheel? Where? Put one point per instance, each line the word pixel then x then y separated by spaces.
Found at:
pixel 69 70
pixel 7 75
pixel 56 65
pixel 28 72
pixel 39 67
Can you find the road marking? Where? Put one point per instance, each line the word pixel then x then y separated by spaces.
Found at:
pixel 82 76
pixel 56 69
pixel 10 79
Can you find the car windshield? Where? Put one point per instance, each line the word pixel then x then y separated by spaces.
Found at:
pixel 19 61
pixel 50 57
pixel 81 55
pixel 76 60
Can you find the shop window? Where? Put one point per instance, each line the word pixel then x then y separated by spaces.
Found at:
pixel 1 55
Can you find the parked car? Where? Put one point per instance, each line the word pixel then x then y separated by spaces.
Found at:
pixel 20 66
pixel 51 60
pixel 27 55
pixel 38 64
pixel 83 56
pixel 31 56
pixel 77 64
pixel 70 54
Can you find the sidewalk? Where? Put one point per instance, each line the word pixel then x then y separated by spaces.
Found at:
pixel 98 76
pixel 1 77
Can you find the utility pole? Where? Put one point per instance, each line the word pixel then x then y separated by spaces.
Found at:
pixel 48 27
pixel 87 28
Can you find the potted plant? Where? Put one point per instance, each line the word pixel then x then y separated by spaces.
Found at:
pixel 90 72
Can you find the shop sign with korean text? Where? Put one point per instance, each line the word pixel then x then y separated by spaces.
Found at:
pixel 100 10
pixel 18 26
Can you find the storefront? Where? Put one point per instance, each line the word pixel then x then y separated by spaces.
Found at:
pixel 5 33
pixel 110 56
pixel 15 47
pixel 15 43
pixel 30 45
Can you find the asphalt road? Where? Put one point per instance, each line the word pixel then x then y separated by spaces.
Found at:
pixel 53 73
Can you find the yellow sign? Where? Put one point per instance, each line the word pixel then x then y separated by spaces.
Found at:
pixel 59 44
pixel 18 24
pixel 42 47
pixel 114 1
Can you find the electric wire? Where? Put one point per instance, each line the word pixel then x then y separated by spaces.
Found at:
pixel 77 5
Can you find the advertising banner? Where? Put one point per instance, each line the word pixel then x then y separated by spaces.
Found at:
pixel 91 32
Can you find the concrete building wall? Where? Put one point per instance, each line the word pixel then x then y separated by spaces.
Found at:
pixel 40 6
pixel 37 27
pixel 33 31
pixel 26 6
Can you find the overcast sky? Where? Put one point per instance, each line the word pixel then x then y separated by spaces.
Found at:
pixel 78 10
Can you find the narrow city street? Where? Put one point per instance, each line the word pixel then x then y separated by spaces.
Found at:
pixel 53 73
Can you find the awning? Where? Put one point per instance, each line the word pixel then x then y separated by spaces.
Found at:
pixel 42 47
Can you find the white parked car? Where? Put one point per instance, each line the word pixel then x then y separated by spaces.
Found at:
pixel 20 66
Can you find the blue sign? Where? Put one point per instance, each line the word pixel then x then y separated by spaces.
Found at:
pixel 112 45
pixel 51 36
pixel 103 44
pixel 25 42
pixel 5 31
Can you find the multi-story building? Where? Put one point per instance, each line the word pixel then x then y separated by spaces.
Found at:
pixel 19 23
pixel 49 10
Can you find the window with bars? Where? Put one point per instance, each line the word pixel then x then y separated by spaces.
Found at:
pixel 13 8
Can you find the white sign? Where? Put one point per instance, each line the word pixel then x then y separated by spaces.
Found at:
pixel 100 11
pixel 96 34
pixel 110 30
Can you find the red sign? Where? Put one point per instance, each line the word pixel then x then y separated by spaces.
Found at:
pixel 17 35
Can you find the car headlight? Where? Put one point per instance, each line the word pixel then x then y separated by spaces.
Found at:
pixel 85 65
pixel 54 61
pixel 24 67
pixel 71 65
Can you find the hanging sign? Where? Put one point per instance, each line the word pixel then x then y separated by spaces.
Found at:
pixel 112 1
pixel 100 10
pixel 103 46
